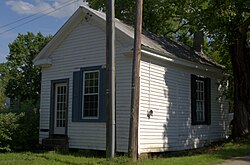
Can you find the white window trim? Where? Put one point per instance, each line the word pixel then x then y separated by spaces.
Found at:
pixel 199 100
pixel 57 101
pixel 83 94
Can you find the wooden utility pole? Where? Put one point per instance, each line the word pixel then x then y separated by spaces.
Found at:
pixel 110 75
pixel 135 85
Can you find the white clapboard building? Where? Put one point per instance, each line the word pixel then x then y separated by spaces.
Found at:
pixel 181 106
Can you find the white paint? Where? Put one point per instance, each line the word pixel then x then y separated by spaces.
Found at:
pixel 85 47
pixel 170 129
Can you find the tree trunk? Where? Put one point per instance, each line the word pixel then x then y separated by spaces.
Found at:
pixel 241 72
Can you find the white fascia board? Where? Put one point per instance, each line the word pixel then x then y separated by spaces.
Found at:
pixel 185 63
pixel 47 62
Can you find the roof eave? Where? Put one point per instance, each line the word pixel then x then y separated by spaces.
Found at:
pixel 193 65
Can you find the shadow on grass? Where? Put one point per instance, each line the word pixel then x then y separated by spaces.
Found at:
pixel 84 156
pixel 223 150
pixel 233 150
pixel 86 153
pixel 75 152
pixel 90 153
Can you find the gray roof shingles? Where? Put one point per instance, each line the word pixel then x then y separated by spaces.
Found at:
pixel 180 50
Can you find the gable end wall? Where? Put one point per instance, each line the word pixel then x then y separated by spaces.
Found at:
pixel 85 47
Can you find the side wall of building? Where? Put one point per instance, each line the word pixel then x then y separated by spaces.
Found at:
pixel 166 90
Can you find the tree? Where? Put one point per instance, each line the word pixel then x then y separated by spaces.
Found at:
pixel 237 28
pixel 2 87
pixel 226 25
pixel 23 77
pixel 162 17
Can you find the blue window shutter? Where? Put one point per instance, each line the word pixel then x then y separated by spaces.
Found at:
pixel 208 100
pixel 193 99
pixel 77 96
pixel 102 95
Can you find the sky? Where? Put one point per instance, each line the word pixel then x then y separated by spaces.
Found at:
pixel 22 16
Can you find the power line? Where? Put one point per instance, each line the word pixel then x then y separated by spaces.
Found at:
pixel 17 26
pixel 11 23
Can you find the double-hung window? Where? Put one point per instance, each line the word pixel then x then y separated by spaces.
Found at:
pixel 90 94
pixel 200 100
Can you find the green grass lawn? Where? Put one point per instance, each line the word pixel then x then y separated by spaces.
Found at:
pixel 205 156
pixel 210 156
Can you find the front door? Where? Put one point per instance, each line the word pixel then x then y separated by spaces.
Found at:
pixel 60 108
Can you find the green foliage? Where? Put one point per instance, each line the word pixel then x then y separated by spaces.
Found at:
pixel 164 18
pixel 221 20
pixel 23 77
pixel 8 127
pixel 27 134
pixel 2 87
pixel 19 128
pixel 20 80
pixel 2 96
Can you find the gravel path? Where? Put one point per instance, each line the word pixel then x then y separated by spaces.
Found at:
pixel 237 161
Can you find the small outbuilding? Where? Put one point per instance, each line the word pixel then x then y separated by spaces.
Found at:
pixel 181 106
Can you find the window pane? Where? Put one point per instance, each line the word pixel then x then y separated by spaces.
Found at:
pixel 87 76
pixel 91 75
pixel 91 90
pixel 87 83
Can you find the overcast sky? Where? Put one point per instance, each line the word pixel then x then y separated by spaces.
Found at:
pixel 45 16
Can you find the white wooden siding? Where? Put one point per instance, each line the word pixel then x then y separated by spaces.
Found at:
pixel 84 47
pixel 44 107
pixel 165 89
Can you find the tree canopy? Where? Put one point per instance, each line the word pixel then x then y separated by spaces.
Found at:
pixel 161 17
pixel 2 86
pixel 23 77
pixel 228 24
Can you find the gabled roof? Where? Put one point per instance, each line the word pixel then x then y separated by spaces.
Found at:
pixel 163 46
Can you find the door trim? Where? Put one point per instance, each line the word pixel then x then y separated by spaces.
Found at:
pixel 52 105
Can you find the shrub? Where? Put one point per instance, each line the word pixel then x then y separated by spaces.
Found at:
pixel 19 128
pixel 8 127
pixel 27 134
